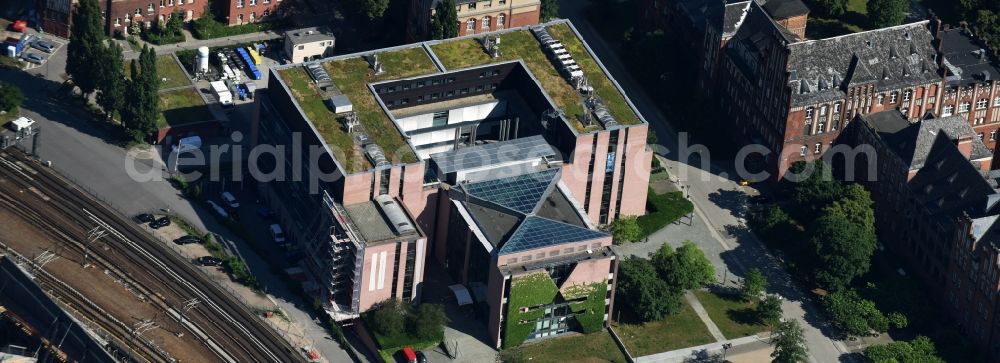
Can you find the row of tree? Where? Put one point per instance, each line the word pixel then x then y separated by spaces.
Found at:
pixel 982 15
pixel 881 13
pixel 393 317
pixel 95 65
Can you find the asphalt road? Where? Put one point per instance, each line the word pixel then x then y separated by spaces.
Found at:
pixel 719 202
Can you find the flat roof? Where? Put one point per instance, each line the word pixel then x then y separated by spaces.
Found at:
pixel 308 35
pixel 373 223
pixel 354 76
pixel 525 148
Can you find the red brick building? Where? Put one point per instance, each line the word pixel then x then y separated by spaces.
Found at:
pixel 238 12
pixel 122 16
pixel 971 89
pixel 475 16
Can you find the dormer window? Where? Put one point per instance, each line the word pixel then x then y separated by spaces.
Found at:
pixel 822 110
pixel 907 95
pixel 893 97
pixel 881 98
pixel 948 110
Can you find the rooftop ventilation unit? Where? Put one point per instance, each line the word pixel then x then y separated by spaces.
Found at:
pixel 395 214
pixel 377 157
pixel 317 72
pixel 375 64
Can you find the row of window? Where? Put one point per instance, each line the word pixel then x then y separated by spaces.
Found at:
pixel 486 23
pixel 486 4
pixel 239 3
pixel 437 95
pixel 439 81
pixel 966 106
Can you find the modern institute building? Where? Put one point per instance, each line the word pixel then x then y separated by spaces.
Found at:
pixel 493 156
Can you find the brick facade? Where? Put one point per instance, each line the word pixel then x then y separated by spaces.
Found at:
pixel 119 15
pixel 251 11
pixel 474 17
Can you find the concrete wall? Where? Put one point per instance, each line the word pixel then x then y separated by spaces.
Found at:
pixel 376 272
pixel 304 52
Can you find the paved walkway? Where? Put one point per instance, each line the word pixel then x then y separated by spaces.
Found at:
pixel 703 315
pixel 751 345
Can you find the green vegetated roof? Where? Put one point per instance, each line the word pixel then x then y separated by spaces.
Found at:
pixel 352 76
pixel 181 107
pixel 527 291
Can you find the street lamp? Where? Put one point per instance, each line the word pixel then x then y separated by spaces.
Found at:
pixel 725 348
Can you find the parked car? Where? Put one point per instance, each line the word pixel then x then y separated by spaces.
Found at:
pixel 421 358
pixel 409 355
pixel 160 223
pixel 218 209
pixel 144 218
pixel 43 46
pixel 32 57
pixel 277 234
pixel 265 212
pixel 209 261
pixel 189 239
pixel 230 200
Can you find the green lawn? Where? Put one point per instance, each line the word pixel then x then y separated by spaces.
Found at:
pixel 853 21
pixel 734 317
pixel 663 209
pixel 166 68
pixel 9 116
pixel 521 44
pixel 595 347
pixel 182 107
pixel 682 330
pixel 595 75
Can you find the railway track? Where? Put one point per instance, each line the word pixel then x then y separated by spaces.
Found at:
pixel 229 328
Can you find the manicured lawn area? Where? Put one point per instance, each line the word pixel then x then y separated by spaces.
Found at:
pixel 595 347
pixel 407 62
pixel 734 317
pixel 308 97
pixel 521 44
pixel 663 209
pixel 853 21
pixel 600 81
pixel 182 107
pixel 677 331
pixel 168 68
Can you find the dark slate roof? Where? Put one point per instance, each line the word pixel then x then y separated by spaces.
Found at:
pixel 757 33
pixel 537 232
pixel 950 184
pixel 912 142
pixel 525 148
pixel 733 17
pixel 892 58
pixel 966 58
pixel 784 9
pixel 521 193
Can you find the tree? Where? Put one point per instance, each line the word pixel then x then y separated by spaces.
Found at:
pixel 684 269
pixel 111 80
pixel 789 343
pixel 844 239
pixel 626 229
pixel 885 13
pixel 919 350
pixel 388 317
pixel 648 296
pixel 550 10
pixel 11 97
pixel 830 8
pixel 427 321
pixel 374 9
pixel 85 43
pixel 814 188
pixel 769 310
pixel 444 24
pixel 754 284
pixel 859 316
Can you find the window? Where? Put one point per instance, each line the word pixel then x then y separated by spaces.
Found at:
pixel 253 16
pixel 118 21
pixel 993 135
pixel 267 1
pixel 980 136
pixel 180 2
pixel 150 8
pixel 821 127
pixel 948 110
pixel 501 16
pixel 470 25
pixel 239 3
pixel 171 3
pixel 981 104
pixel 907 95
pixel 803 150
pixel 836 108
pixel 822 110
pixel 162 3
pixel 138 11
pixel 881 99
pixel 893 97
pixel 502 2
pixel 964 107
pixel 996 102
pixel 819 146
pixel 253 2
pixel 239 19
pixel 809 113
pixel 472 5
pixel 486 23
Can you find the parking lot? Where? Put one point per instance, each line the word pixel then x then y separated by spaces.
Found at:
pixel 34 48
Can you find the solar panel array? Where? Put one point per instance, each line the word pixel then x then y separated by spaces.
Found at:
pixel 520 193
pixel 537 232
pixel 500 152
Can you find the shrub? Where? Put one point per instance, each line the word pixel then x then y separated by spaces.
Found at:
pixel 427 321
pixel 389 317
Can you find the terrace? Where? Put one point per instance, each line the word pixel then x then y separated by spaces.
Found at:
pixel 352 75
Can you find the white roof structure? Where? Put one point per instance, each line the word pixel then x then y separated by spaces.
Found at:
pixel 461 294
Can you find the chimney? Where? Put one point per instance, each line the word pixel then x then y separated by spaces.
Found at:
pixel 964 145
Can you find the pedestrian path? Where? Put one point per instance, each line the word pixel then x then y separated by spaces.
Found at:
pixel 703 315
pixel 745 345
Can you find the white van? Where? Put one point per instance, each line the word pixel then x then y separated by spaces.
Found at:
pixel 219 209
pixel 277 234
pixel 230 200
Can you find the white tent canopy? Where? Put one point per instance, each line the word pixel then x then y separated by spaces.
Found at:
pixel 461 294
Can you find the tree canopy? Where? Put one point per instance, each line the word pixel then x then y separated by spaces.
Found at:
pixel 373 9
pixel 789 343
pixel 769 310
pixel 830 8
pixel 859 316
pixel 642 289
pixel 142 107
pixel 550 10
pixel 85 44
pixel 754 284
pixel 885 13
pixel 444 24
pixel 626 229
pixel 814 188
pixel 685 268
pixel 918 350
pixel 844 239
pixel 111 80
pixel 11 97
